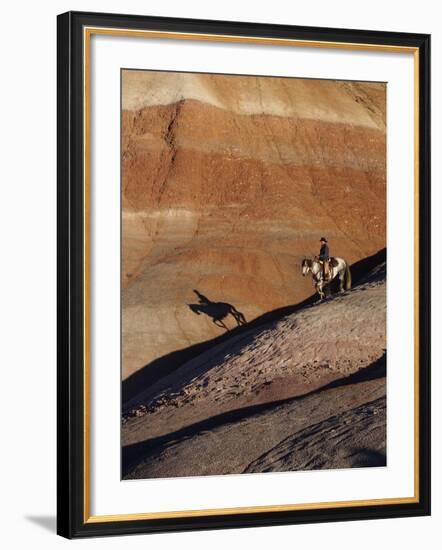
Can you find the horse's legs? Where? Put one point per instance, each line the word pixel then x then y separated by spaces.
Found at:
pixel 221 324
pixel 240 319
pixel 341 281
pixel 238 316
pixel 319 289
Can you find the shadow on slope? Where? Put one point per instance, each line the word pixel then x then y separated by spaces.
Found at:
pixel 217 311
pixel 131 455
pixel 163 366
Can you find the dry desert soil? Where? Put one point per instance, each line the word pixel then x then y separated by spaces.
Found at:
pixel 307 391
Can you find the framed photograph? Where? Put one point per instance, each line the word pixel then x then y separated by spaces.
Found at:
pixel 243 274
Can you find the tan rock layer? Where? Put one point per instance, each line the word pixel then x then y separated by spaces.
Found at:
pixel 361 103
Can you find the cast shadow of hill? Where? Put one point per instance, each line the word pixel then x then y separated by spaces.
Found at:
pixel 132 454
pixel 163 366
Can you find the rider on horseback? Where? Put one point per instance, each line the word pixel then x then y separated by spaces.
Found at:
pixel 324 258
pixel 333 267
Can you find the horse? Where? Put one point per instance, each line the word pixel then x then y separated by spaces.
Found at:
pixel 338 268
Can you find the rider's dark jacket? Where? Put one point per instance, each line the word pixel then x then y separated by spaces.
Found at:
pixel 324 253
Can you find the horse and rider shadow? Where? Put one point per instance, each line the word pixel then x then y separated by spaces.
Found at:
pixel 217 311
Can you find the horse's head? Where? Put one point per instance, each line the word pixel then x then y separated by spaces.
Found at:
pixel 306 266
pixel 196 308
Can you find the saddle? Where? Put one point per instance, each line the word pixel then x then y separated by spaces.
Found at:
pixel 327 266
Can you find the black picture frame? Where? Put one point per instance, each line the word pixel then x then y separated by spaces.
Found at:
pixel 71 393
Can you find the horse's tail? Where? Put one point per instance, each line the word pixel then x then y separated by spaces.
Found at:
pixel 347 278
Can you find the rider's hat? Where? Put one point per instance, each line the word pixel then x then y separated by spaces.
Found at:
pixel 323 239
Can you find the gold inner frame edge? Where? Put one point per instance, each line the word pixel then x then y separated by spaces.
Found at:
pixel 87 33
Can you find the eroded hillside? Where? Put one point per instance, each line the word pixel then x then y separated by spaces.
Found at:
pixel 306 391
pixel 227 184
